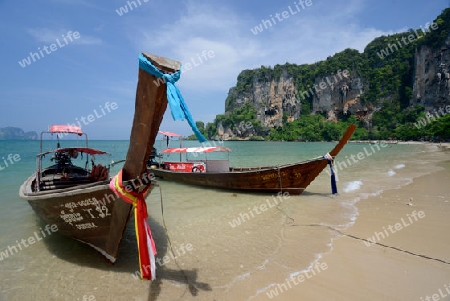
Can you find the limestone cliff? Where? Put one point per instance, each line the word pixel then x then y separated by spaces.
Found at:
pixel 388 77
pixel 278 98
pixel 431 86
pixel 271 97
pixel 338 94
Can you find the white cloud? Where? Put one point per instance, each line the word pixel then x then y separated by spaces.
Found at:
pixel 87 40
pixel 204 28
pixel 306 37
pixel 49 36
pixel 44 35
pixel 301 38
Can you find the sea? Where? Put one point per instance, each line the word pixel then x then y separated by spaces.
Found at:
pixel 212 244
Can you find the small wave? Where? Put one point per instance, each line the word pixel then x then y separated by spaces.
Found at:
pixel 391 172
pixel 399 166
pixel 352 186
pixel 311 265
pixel 239 278
pixel 263 265
pixel 262 290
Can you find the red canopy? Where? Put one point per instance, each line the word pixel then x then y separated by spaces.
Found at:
pixel 86 150
pixel 197 149
pixel 66 129
pixel 170 134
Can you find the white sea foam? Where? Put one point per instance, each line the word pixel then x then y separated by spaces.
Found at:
pixel 263 265
pixel 349 205
pixel 310 267
pixel 262 290
pixel 352 186
pixel 376 180
pixel 239 278
pixel 271 239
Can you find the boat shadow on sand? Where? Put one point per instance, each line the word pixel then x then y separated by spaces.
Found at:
pixel 127 263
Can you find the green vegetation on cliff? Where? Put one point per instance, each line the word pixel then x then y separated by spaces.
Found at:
pixel 386 67
pixel 315 128
pixel 242 118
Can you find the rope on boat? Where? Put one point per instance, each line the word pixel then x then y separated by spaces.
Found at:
pixel 169 241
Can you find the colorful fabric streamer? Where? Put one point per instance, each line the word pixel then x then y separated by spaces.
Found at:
pixel 146 244
pixel 178 107
pixel 334 177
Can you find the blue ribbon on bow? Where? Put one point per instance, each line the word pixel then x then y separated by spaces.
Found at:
pixel 177 105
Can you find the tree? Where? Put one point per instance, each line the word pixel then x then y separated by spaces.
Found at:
pixel 385 65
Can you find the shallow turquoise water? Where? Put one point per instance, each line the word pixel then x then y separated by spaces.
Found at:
pixel 260 247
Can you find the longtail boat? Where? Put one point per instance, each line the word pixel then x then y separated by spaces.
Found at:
pixel 88 204
pixel 292 178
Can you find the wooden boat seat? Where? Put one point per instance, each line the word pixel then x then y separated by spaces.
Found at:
pixel 53 178
pixel 69 169
pixel 59 182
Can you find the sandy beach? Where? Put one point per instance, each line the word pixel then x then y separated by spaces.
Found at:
pixel 411 260
pixel 372 242
pixel 397 249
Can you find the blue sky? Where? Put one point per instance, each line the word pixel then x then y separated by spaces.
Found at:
pixel 76 77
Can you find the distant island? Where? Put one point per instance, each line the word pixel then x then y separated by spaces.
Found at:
pixel 14 133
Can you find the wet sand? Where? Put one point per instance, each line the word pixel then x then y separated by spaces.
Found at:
pixel 411 262
pixel 248 261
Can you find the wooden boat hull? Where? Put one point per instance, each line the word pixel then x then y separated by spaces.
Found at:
pixel 292 178
pixel 92 214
